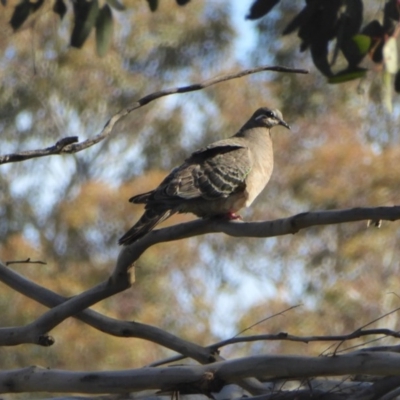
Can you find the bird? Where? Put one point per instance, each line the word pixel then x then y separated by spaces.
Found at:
pixel 215 181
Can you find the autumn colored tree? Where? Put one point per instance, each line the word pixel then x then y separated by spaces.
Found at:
pixel 188 296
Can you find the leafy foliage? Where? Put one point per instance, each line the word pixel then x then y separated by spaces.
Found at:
pixel 318 24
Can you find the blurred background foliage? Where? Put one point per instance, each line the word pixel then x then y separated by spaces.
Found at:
pixel 334 32
pixel 69 211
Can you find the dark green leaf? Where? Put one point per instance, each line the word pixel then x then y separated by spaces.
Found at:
pixel 116 5
pixel 376 32
pixel 302 18
pixel 391 16
pixel 306 34
pixel 392 10
pixel 85 17
pixel 397 82
pixel 60 8
pixel 320 26
pixel 182 2
pixel 349 25
pixel 21 13
pixel 353 17
pixel 104 29
pixel 260 8
pixel 309 24
pixel 355 48
pixel 329 19
pixel 319 54
pixel 363 43
pixel 153 4
pixel 374 29
pixel 347 75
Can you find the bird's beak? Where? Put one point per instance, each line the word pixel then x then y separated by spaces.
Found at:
pixel 283 123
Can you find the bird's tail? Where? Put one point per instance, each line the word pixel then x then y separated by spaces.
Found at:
pixel 146 223
pixel 141 198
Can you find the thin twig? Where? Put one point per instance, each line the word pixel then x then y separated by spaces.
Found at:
pixel 306 339
pixel 70 145
pixel 27 261
pixel 285 336
pixel 266 319
pixel 369 323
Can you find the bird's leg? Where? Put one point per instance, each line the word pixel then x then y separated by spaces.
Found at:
pixel 232 215
pixel 229 216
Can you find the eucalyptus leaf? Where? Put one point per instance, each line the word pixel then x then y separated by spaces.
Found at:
pixel 260 8
pixel 363 43
pixel 86 13
pixel 153 5
pixel 60 8
pixel 20 14
pixel 347 75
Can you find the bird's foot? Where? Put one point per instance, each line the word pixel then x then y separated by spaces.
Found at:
pixel 232 215
pixel 229 216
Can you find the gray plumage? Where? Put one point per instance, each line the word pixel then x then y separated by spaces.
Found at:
pixel 217 180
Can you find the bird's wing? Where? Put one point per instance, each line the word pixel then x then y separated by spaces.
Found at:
pixel 210 173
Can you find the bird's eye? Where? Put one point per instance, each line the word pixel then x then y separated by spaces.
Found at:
pixel 269 114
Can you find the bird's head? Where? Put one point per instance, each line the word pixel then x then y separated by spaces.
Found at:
pixel 267 118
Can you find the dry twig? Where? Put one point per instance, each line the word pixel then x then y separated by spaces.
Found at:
pixel 70 145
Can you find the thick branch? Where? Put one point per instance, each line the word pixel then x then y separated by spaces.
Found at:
pixel 36 332
pixel 265 229
pixel 199 379
pixel 111 326
pixel 103 323
pixel 69 145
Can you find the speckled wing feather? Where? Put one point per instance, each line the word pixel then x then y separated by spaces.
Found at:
pixel 211 173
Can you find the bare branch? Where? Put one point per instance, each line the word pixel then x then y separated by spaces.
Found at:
pixel 214 348
pixel 27 261
pixel 113 326
pixel 267 318
pixel 58 148
pixel 362 327
pixel 130 254
pixel 69 145
pixel 103 323
pixel 36 332
pixel 306 339
pixel 200 379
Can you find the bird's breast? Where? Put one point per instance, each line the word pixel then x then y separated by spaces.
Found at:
pixel 260 173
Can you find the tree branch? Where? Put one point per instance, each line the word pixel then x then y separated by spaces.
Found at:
pixel 36 332
pixel 130 254
pixel 103 323
pixel 111 326
pixel 200 379
pixel 306 339
pixel 70 145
